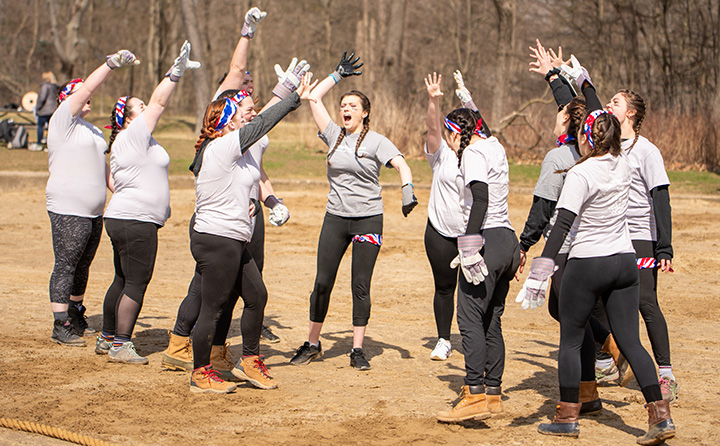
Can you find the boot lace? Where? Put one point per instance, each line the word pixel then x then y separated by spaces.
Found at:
pixel 260 365
pixel 211 375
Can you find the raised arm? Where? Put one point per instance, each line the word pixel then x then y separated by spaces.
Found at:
pixel 543 65
pixel 467 101
pixel 434 134
pixel 238 64
pixel 347 67
pixel 78 99
pixel 161 95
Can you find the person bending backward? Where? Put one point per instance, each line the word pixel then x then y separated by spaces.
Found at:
pixel 649 217
pixel 75 198
pixel 225 173
pixel 178 355
pixel 354 213
pixel 601 265
pixel 486 277
pixel 139 206
pixel 445 217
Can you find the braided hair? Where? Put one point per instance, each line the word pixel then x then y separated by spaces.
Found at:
pixel 208 132
pixel 467 120
pixel 637 103
pixel 605 134
pixel 114 127
pixel 365 104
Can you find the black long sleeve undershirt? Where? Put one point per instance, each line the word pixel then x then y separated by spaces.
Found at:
pixel 663 222
pixel 559 232
pixel 592 102
pixel 538 218
pixel 561 91
pixel 479 207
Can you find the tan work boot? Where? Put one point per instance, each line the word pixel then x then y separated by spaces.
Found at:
pixel 660 425
pixel 589 398
pixel 493 398
pixel 471 406
pixel 178 355
pixel 611 348
pixel 206 380
pixel 253 369
pixel 223 362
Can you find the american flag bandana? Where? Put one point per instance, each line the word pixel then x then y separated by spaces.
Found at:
pixel 478 129
pixel 375 239
pixel 649 263
pixel 589 122
pixel 120 111
pixel 452 126
pixel 69 88
pixel 230 108
pixel 564 139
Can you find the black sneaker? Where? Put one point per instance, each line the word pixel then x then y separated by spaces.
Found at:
pixel 357 359
pixel 267 335
pixel 79 321
pixel 306 353
pixel 64 333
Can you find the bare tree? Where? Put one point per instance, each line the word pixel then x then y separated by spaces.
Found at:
pixel 200 80
pixel 506 10
pixel 67 45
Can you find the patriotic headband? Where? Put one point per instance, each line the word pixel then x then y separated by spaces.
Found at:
pixel 564 139
pixel 229 110
pixel 452 126
pixel 589 122
pixel 69 88
pixel 478 129
pixel 120 111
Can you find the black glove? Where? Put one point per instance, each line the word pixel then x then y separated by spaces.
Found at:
pixel 347 67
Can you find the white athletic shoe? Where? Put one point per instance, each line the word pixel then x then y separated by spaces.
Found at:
pixel 442 350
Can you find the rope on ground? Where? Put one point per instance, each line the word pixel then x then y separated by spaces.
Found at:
pixel 53 432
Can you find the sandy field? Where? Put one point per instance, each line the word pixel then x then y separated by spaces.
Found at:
pixel 327 401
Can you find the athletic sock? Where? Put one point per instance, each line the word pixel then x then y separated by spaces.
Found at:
pixel 665 371
pixel 314 345
pixel 107 337
pixel 60 315
pixel 118 341
pixel 604 363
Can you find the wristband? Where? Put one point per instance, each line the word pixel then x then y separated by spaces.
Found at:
pixel 551 73
pixel 408 184
pixel 271 201
pixel 336 77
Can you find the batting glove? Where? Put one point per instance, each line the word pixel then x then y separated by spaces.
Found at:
pixel 471 262
pixel 533 291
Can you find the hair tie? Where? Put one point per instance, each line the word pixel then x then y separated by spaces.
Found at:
pixel 120 111
pixel 478 129
pixel 590 122
pixel 69 88
pixel 452 126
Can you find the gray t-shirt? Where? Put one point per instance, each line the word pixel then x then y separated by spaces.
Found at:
pixel 550 183
pixel 354 179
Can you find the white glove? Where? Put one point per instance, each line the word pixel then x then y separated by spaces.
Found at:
pixel 182 63
pixel 122 57
pixel 289 80
pixel 462 92
pixel 532 294
pixel 279 215
pixel 469 259
pixel 252 18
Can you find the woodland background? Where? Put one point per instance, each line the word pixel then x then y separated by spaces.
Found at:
pixel 666 50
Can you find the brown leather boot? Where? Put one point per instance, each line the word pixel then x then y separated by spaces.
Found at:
pixel 493 398
pixel 589 398
pixel 471 406
pixel 661 426
pixel 178 355
pixel 223 362
pixel 565 423
pixel 611 348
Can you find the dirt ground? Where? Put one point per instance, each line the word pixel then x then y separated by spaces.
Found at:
pixel 327 401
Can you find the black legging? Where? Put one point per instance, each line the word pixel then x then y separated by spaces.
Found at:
pixel 441 250
pixel 335 237
pixel 480 308
pixel 190 306
pixel 75 242
pixel 613 279
pixel 228 271
pixel 134 250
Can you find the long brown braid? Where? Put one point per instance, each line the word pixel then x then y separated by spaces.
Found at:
pixel 605 135
pixel 365 104
pixel 637 103
pixel 467 120
pixel 577 111
pixel 212 112
pixel 115 129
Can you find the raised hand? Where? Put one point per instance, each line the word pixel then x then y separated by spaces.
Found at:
pixel 182 63
pixel 306 87
pixel 542 63
pixel 289 80
pixel 347 67
pixel 252 18
pixel 121 58
pixel 432 82
pixel 461 91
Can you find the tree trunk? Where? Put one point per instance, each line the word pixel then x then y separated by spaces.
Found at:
pixel 152 57
pixel 506 10
pixel 201 86
pixel 67 50
pixel 392 56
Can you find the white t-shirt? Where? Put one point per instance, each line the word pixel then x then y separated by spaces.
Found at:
pixel 597 192
pixel 648 173
pixel 444 209
pixel 76 160
pixel 257 151
pixel 223 186
pixel 354 179
pixel 139 168
pixel 485 161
